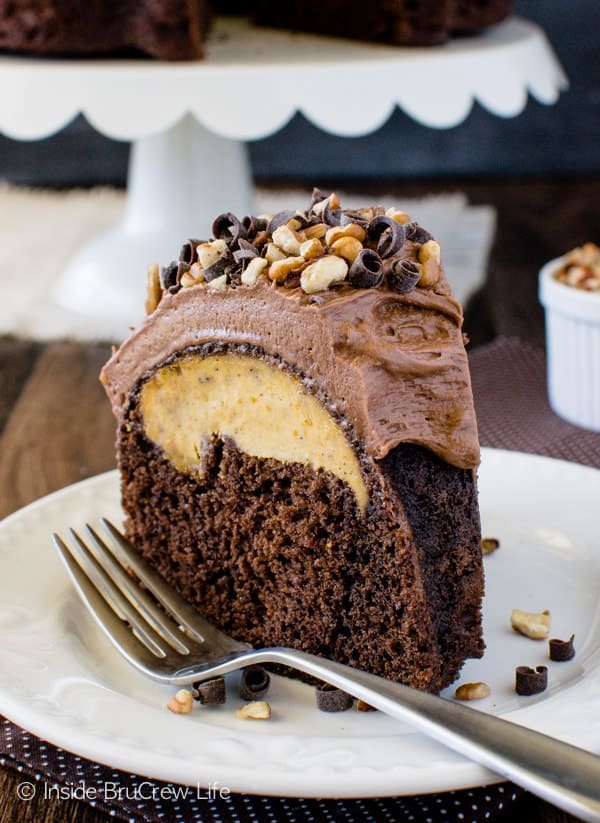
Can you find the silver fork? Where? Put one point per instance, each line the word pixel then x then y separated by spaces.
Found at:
pixel 181 647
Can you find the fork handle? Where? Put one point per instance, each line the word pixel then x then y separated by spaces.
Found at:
pixel 558 772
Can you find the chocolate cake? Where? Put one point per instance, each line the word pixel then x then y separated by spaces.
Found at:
pixel 401 22
pixel 165 29
pixel 297 442
pixel 176 29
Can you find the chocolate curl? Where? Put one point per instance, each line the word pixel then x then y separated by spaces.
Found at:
pixel 330 699
pixel 388 233
pixel 530 681
pixel 402 275
pixel 188 251
pixel 561 650
pixel 326 214
pixel 416 234
pixel 252 225
pixel 279 219
pixel 171 275
pixel 228 228
pixel 354 216
pixel 210 692
pixel 255 683
pixel 366 271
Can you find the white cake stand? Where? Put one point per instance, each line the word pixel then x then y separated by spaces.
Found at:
pixel 188 123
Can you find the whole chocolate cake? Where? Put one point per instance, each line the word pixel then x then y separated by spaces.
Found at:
pixel 297 441
pixel 176 29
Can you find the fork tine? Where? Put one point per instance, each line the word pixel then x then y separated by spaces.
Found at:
pixel 109 592
pixel 188 618
pixel 160 622
pixel 117 632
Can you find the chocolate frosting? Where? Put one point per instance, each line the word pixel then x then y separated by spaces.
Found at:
pixel 393 364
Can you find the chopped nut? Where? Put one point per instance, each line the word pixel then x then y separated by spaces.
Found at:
pixel 274 253
pixel 311 248
pixel 319 230
pixel 489 545
pixel 219 283
pixel 194 276
pixel 253 269
pixel 209 253
pixel 472 691
pixel 255 710
pixel 362 706
pixel 351 230
pixel 531 624
pixel 429 257
pixel 322 273
pixel 153 289
pixel 280 269
pixel 398 216
pixel 347 247
pixel 182 702
pixel 287 239
pixel 430 251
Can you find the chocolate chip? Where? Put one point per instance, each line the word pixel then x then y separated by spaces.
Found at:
pixel 387 233
pixel 561 650
pixel 245 251
pixel 210 692
pixel 188 251
pixel 416 234
pixel 255 683
pixel 228 228
pixel 402 275
pixel 530 681
pixel 222 265
pixel 330 699
pixel 366 272
pixel 317 197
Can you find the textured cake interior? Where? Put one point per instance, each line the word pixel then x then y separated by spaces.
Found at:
pixel 281 551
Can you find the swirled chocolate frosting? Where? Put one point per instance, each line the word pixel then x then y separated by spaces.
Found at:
pixel 384 344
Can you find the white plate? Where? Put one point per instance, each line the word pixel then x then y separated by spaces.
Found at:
pixel 61 679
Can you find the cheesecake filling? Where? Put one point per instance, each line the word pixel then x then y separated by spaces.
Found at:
pixel 264 409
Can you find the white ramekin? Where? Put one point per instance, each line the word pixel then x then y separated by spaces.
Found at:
pixel 572 347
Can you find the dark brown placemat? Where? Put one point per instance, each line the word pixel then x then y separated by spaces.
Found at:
pixel 509 386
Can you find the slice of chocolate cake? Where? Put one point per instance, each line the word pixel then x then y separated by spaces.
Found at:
pixel 297 441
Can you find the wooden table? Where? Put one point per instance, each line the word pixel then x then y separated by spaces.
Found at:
pixel 56 426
